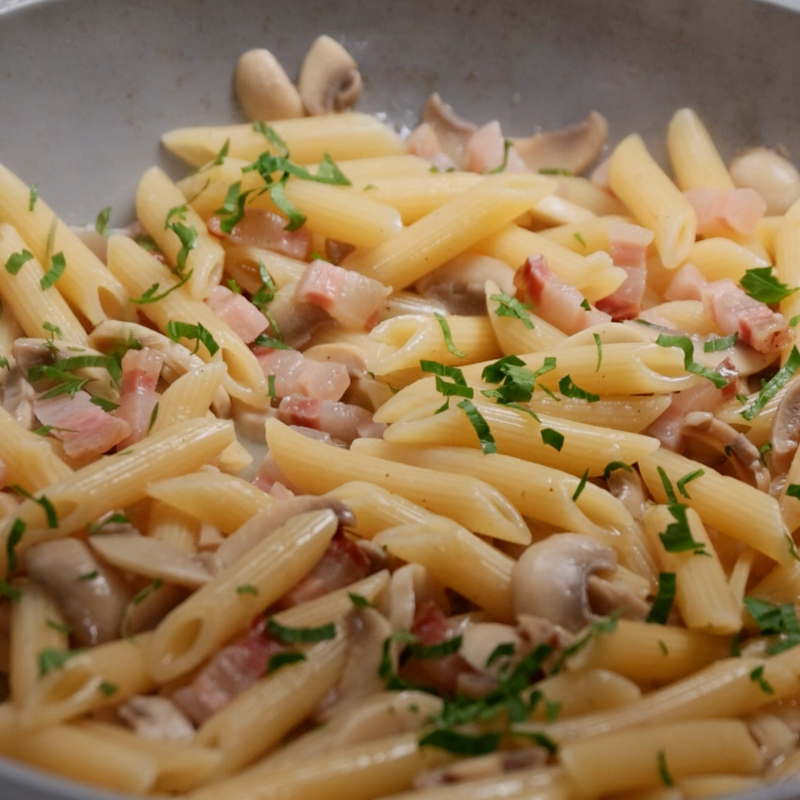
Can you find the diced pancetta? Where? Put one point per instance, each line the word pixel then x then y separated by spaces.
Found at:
pixel 138 396
pixel 556 302
pixel 687 284
pixel 351 298
pixel 628 243
pixel 342 563
pixel 85 429
pixel 725 211
pixel 734 311
pixel 296 374
pixel 486 151
pixel 238 312
pixel 344 422
pixel 261 228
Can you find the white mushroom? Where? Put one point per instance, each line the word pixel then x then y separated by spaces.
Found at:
pixel 629 489
pixel 156 718
pixel 459 284
pixel 329 78
pixel 16 396
pixel 786 429
pixel 775 178
pixel 367 630
pixel 452 132
pixel 91 595
pixel 480 640
pixel 573 148
pixel 550 578
pixel 744 456
pixel 263 88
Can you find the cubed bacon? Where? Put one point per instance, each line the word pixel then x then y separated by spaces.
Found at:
pixel 486 151
pixel 687 284
pixel 238 312
pixel 724 211
pixel 556 302
pixel 343 421
pixel 261 228
pixel 296 374
pixel 734 311
pixel 431 627
pixel 138 397
pixel 625 302
pixel 85 429
pixel 628 244
pixel 231 671
pixel 351 298
pixel 342 563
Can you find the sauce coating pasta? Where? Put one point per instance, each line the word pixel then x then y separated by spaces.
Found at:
pixel 524 524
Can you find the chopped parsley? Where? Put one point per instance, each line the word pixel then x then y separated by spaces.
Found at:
pixel 552 438
pixel 599 343
pixel 115 519
pixel 509 306
pixel 581 241
pixel 440 650
pixel 266 292
pixel 677 538
pixel 101 221
pixel 47 506
pixel 33 196
pixel 301 635
pixel 282 659
pixel 14 538
pixel 50 659
pixel 689 364
pixel 262 340
pixel 247 588
pixel 601 627
pixel 9 591
pixel 476 419
pixel 568 388
pixel 663 771
pixel 448 337
pixel 457 387
pixel 793 490
pixel 613 466
pixel 757 676
pixel 717 343
pixel 232 209
pixel 88 576
pixel 774 385
pixel 779 620
pixel 144 593
pixel 222 154
pixel 690 476
pixel 461 743
pixel 359 601
pixel 662 604
pixel 187 235
pixel 16 260
pixel 58 626
pixel 150 296
pixel 186 330
pixel 581 485
pixel 763 286
pixel 507 143
pixel 107 688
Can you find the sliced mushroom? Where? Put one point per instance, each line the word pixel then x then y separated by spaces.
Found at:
pixel 704 427
pixel 367 630
pixel 262 524
pixel 144 555
pixel 460 283
pixel 411 585
pixel 786 429
pixel 91 595
pixel 775 178
pixel 296 321
pixel 156 718
pixel 607 596
pixel 573 148
pixel 629 489
pixel 452 131
pixel 329 78
pixel 150 605
pixel 16 396
pixel 481 639
pixel 264 89
pixel 773 736
pixel 550 578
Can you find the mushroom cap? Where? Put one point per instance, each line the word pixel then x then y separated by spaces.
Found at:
pixel 453 132
pixel 263 88
pixel 550 578
pixel 775 178
pixel 329 78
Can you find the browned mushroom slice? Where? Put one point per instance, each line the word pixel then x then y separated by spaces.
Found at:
pixel 91 595
pixel 550 578
pixel 460 283
pixel 452 131
pixel 573 148
pixel 263 88
pixel 786 429
pixel 329 78
pixel 744 456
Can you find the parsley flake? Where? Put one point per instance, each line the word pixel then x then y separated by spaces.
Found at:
pixel 509 306
pixel 763 286
pixel 301 635
pixel 662 604
pixel 448 337
pixel 774 385
pixel 689 364
pixel 16 260
pixel 186 330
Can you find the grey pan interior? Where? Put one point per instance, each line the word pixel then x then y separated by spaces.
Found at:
pixel 87 86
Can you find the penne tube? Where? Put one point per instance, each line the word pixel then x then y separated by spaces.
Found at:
pixel 349 135
pixel 458 560
pixel 117 481
pixel 585 237
pixel 450 229
pixel 719 258
pixel 695 159
pixel 258 718
pixel 32 306
pixel 471 502
pixel 596 278
pixel 225 501
pixel 172 527
pixel 703 595
pixel 191 632
pixel 579 447
pixel 653 200
pixel 91 679
pixel 90 289
pixel 619 762
pixel 729 505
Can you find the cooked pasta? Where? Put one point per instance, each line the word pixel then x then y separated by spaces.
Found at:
pixel 387 466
